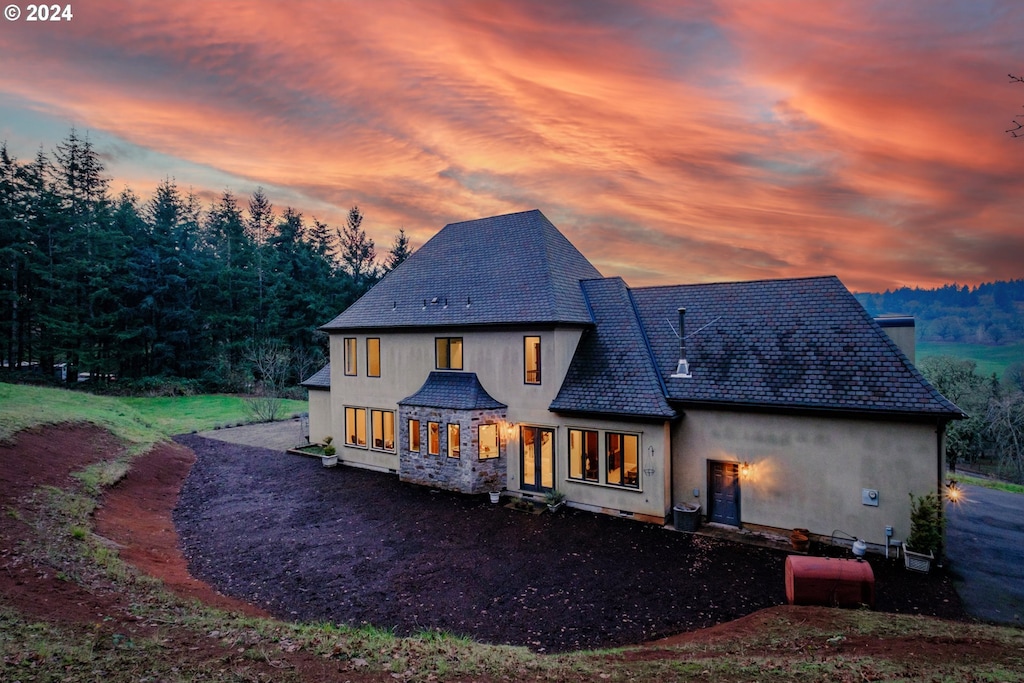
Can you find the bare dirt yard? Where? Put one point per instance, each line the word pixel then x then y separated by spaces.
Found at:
pixel 266 532
pixel 352 546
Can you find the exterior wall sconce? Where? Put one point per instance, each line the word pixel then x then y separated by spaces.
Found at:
pixel 508 430
pixel 650 469
pixel 953 492
pixel 745 469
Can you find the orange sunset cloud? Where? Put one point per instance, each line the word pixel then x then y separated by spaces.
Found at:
pixel 672 142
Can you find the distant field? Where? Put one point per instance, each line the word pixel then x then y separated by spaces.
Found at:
pixel 137 420
pixel 989 358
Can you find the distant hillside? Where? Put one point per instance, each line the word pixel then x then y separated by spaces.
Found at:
pixel 989 314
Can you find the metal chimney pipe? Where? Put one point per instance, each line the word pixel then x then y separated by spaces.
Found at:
pixel 683 368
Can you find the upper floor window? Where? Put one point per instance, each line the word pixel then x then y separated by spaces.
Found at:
pixel 373 357
pixel 623 453
pixel 351 359
pixel 531 359
pixel 448 353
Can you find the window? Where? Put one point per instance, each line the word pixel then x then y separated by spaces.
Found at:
pixel 382 429
pixel 487 441
pixel 414 436
pixel 453 441
pixel 355 426
pixel 351 362
pixel 583 455
pixel 448 353
pixel 531 359
pixel 623 459
pixel 433 438
pixel 373 357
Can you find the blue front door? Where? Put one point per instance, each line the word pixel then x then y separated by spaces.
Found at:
pixel 724 493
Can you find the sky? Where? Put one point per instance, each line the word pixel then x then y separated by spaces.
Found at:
pixel 672 142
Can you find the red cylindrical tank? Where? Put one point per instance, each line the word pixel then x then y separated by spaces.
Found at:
pixel 829 581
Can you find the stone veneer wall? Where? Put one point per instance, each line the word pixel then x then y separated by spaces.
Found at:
pixel 467 473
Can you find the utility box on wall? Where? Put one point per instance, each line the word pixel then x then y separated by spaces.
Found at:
pixel 869 497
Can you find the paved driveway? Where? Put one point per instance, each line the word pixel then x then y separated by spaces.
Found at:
pixel 985 549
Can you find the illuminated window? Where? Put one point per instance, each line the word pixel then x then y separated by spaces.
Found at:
pixel 531 359
pixel 623 459
pixel 448 353
pixel 373 357
pixel 487 438
pixel 433 438
pixel 454 447
pixel 351 361
pixel 355 426
pixel 414 436
pixel 583 455
pixel 382 429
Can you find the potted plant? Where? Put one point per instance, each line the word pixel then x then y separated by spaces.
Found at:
pixel 330 456
pixel 926 525
pixel 493 485
pixel 554 499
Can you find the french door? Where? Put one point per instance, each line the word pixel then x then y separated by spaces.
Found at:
pixel 538 461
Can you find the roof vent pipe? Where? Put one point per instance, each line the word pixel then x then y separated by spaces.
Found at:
pixel 683 368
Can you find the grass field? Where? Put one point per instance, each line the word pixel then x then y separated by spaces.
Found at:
pixel 989 358
pixel 136 420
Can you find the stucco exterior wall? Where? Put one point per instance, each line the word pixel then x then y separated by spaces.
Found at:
pixel 496 356
pixel 810 471
pixel 320 415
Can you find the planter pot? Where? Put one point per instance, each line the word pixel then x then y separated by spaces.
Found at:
pixel 799 542
pixel 686 517
pixel 495 496
pixel 329 460
pixel 553 507
pixel 917 562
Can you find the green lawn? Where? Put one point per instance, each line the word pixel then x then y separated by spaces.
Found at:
pixel 141 421
pixel 181 414
pixel 989 358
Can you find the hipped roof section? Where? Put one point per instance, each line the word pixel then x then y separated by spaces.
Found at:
pixel 511 269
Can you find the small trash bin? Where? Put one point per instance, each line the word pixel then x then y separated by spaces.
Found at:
pixel 686 517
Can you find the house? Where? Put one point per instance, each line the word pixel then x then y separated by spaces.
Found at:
pixel 497 351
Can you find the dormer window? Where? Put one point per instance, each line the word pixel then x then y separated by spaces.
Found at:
pixel 448 352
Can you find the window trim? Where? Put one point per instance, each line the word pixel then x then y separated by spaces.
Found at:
pixel 416 432
pixel 456 452
pixel 374 355
pixel 447 341
pixel 431 448
pixel 383 426
pixel 583 461
pixel 355 410
pixel 526 358
pixel 480 441
pixel 351 353
pixel 608 463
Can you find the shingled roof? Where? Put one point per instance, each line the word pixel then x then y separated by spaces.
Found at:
pixel 321 379
pixel 613 371
pixel 511 269
pixel 453 391
pixel 798 343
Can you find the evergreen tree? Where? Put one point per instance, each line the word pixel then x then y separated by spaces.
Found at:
pixel 400 251
pixel 358 254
